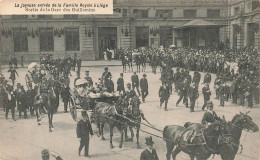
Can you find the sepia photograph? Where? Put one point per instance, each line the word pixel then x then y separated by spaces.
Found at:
pixel 154 80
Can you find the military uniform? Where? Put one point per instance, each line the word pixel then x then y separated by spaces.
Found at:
pixel 135 82
pixel 183 93
pixel 193 95
pixel 206 95
pixel 164 94
pixel 11 100
pixel 144 87
pixel 120 85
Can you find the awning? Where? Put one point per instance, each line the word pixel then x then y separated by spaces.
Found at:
pixel 200 23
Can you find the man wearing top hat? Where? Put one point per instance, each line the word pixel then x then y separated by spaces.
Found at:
pixel 149 153
pixel 120 84
pixel 135 82
pixel 164 94
pixel 144 87
pixel 83 130
pixel 105 76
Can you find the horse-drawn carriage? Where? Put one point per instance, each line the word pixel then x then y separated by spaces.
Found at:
pixel 77 103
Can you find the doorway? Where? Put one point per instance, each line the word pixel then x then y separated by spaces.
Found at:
pixel 107 39
pixel 142 37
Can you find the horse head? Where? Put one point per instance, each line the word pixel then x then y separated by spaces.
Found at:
pixel 244 121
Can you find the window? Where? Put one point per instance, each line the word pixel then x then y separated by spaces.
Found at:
pixel 46 39
pixel 20 40
pixel 255 4
pixel 44 16
pixel 163 13
pixel 71 16
pixel 141 13
pixel 124 12
pixel 190 13
pixel 236 10
pixel 19 16
pixel 213 13
pixel 72 39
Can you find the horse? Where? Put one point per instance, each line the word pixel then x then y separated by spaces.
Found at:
pixel 238 123
pixel 134 116
pixel 199 143
pixel 45 101
pixel 107 113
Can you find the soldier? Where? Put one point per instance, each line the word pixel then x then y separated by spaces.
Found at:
pixel 15 62
pixel 217 84
pixel 83 130
pixel 193 95
pixel 150 152
pixel 89 79
pixel 169 79
pixel 207 78
pixel 11 100
pixel 129 93
pixel 105 76
pixel 222 93
pixel 144 87
pixel 206 95
pixel 110 85
pixel 120 84
pixel 209 116
pixel 30 98
pixel 164 94
pixel 183 93
pixel 57 90
pixel 135 82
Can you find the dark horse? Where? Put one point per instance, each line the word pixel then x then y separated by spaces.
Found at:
pixel 239 122
pixel 196 143
pixel 107 113
pixel 134 116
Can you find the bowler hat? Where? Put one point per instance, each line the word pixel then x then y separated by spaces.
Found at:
pixel 210 104
pixel 84 113
pixel 149 140
pixel 45 153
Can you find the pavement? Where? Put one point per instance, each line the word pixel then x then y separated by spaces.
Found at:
pixel 24 139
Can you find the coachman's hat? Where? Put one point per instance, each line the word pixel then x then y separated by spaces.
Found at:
pixel 45 153
pixel 149 141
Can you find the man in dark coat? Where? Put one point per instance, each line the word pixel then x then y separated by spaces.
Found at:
pixel 150 152
pixel 164 94
pixel 176 78
pixel 193 95
pixel 209 116
pixel 11 100
pixel 105 76
pixel 83 130
pixel 30 98
pixel 135 82
pixel 206 94
pixel 79 60
pixel 120 84
pixel 65 95
pixel 110 85
pixel 21 101
pixel 196 78
pixel 89 79
pixel 207 78
pixel 144 87
pixel 183 93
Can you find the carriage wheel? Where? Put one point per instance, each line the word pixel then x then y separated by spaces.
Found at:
pixel 73 110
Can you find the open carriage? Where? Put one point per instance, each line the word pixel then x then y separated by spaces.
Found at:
pixel 88 102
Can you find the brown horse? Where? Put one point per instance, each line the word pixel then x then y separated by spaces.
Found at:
pixel 196 143
pixel 134 116
pixel 239 122
pixel 107 113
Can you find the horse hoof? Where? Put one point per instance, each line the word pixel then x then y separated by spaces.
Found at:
pixel 103 138
pixel 130 139
pixel 138 146
pixel 111 146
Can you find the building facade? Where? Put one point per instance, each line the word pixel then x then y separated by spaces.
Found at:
pixel 135 23
pixel 244 20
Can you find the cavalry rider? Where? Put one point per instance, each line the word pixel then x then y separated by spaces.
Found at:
pixel 209 116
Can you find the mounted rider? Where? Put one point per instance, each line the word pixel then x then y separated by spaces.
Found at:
pixel 209 116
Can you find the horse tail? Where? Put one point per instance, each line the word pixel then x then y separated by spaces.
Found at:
pixel 187 124
pixel 164 131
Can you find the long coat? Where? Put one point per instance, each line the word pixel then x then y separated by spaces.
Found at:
pixel 84 129
pixel 164 92
pixel 144 84
pixel 147 155
pixel 120 84
pixel 135 80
